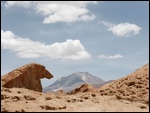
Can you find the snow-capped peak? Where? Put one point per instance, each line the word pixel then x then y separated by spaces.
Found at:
pixel 81 73
pixel 85 76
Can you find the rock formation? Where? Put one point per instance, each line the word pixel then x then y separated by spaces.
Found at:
pixel 83 88
pixel 133 87
pixel 27 76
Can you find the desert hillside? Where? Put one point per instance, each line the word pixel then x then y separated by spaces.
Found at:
pixel 133 87
pixel 130 93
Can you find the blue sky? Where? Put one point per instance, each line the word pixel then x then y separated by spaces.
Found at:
pixel 107 39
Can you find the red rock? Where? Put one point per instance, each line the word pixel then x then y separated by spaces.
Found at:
pixel 27 76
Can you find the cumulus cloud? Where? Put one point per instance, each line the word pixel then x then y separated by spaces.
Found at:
pixel 57 11
pixel 122 29
pixel 110 57
pixel 25 4
pixel 26 48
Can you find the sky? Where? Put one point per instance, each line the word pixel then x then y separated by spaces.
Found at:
pixel 108 39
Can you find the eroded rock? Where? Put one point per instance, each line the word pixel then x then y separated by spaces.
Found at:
pixel 27 76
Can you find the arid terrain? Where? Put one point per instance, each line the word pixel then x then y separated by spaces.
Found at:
pixel 130 93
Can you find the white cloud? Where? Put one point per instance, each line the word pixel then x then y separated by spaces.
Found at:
pixel 122 29
pixel 25 4
pixel 108 24
pixel 26 48
pixel 57 11
pixel 109 57
pixel 125 29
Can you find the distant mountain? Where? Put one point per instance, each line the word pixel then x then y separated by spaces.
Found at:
pixel 73 81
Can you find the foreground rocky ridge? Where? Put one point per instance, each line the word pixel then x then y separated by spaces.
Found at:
pixel 133 87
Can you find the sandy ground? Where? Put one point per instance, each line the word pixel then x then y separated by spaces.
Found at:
pixel 23 100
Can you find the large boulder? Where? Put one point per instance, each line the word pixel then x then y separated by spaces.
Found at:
pixel 27 76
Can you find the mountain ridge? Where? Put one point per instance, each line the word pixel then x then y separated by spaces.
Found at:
pixel 70 82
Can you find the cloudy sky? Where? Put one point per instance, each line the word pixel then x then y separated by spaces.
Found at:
pixel 107 39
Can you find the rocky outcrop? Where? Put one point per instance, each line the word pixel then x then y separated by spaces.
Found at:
pixel 83 89
pixel 27 76
pixel 133 87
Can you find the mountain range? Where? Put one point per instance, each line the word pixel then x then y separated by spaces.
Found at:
pixel 73 81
